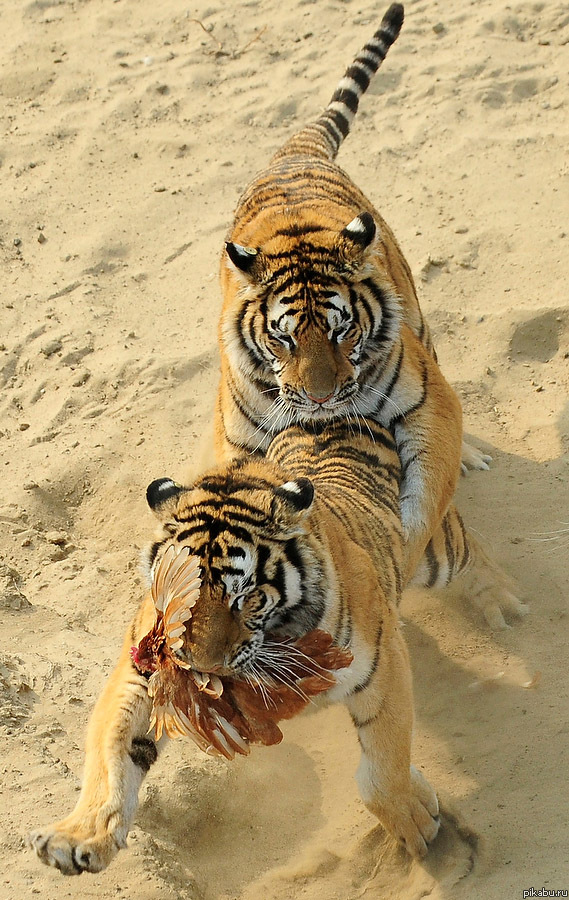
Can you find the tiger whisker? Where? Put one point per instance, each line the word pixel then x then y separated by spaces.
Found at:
pixel 386 398
pixel 280 675
pixel 291 650
pixel 281 661
pixel 259 682
pixel 366 423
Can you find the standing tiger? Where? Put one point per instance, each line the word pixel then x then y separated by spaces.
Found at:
pixel 308 537
pixel 321 320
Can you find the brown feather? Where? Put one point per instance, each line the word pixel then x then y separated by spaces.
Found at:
pixel 223 715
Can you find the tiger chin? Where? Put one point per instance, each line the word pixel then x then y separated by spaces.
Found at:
pixel 320 318
pixel 309 537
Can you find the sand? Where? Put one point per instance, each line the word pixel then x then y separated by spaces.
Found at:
pixel 130 133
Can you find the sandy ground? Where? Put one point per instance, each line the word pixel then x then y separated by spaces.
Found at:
pixel 130 132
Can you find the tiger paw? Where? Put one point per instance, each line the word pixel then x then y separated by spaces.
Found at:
pixel 489 589
pixel 424 810
pixel 498 604
pixel 473 458
pixel 74 845
pixel 415 821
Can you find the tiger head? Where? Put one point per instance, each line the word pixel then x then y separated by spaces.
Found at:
pixel 259 572
pixel 310 314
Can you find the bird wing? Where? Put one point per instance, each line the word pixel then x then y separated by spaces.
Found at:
pixel 175 591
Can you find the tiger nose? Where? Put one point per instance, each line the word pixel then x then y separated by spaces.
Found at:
pixel 320 399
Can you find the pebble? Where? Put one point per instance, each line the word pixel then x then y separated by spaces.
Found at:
pixel 52 347
pixel 30 485
pixel 439 28
pixel 14 600
pixel 81 378
pixel 23 426
pixel 41 238
pixel 56 537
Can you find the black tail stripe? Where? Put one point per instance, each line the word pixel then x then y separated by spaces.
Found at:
pixel 359 75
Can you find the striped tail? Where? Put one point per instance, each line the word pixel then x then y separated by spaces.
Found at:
pixel 323 137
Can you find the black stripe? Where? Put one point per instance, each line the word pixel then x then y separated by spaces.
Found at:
pixel 293 556
pixel 363 723
pixel 298 230
pixel 339 121
pixel 466 555
pixel 392 382
pixel 420 402
pixel 324 123
pixel 348 97
pixel 359 75
pixel 361 686
pixel 377 51
pixel 448 546
pixel 263 555
pixel 433 565
pixel 143 753
pixel 153 551
pixel 278 581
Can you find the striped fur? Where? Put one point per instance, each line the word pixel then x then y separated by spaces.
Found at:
pixel 309 536
pixel 321 320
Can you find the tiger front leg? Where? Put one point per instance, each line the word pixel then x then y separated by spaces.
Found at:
pixel 119 752
pixel 429 439
pixel 391 788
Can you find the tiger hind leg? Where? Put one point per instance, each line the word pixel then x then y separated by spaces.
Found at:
pixel 119 752
pixel 455 557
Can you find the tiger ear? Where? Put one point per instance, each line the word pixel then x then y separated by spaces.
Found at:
pixel 243 258
pixel 161 490
pixel 360 231
pixel 293 500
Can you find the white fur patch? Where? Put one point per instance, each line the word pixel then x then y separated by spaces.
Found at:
pixel 356 226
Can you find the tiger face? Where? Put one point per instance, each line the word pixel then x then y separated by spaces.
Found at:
pixel 258 574
pixel 312 316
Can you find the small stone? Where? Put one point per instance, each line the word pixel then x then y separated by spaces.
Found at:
pixel 17 242
pixel 81 377
pixel 52 347
pixel 30 485
pixel 23 426
pixel 59 554
pixel 56 537
pixel 159 189
pixel 14 600
pixel 439 28
pixel 41 238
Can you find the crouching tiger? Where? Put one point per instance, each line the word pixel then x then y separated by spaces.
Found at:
pixel 308 537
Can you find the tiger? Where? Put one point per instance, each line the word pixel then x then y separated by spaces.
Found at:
pixel 321 320
pixel 309 535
